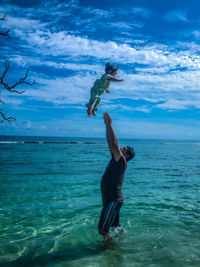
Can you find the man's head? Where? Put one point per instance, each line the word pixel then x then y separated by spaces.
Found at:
pixel 128 152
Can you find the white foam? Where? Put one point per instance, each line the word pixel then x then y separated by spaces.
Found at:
pixel 9 142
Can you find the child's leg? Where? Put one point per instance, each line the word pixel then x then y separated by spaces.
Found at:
pixel 93 99
pixel 89 112
pixel 96 104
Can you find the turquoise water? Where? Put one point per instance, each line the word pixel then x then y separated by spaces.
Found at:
pixel 50 204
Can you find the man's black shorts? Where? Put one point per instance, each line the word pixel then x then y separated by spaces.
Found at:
pixel 110 216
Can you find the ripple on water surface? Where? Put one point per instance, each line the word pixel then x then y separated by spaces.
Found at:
pixel 50 205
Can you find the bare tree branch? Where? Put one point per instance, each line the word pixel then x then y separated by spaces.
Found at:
pixel 6 85
pixel 4 17
pixel 21 80
pixel 5 33
pixel 9 119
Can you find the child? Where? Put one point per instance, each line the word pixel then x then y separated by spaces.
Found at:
pixel 100 86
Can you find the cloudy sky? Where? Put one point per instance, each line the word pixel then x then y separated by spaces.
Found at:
pixel 66 44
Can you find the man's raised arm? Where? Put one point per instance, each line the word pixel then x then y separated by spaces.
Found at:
pixel 111 137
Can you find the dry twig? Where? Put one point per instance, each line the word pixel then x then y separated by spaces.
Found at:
pixel 9 119
pixel 5 84
pixel 21 80
pixel 4 33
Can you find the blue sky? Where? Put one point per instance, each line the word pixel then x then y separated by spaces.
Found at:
pixel 66 45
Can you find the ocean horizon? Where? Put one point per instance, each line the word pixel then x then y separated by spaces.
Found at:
pixel 62 139
pixel 50 203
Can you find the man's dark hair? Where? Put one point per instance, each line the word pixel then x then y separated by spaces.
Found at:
pixel 130 153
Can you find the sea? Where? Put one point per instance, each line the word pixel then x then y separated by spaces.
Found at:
pixel 50 203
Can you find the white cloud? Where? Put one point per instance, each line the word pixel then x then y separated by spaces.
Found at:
pixel 125 108
pixel 161 79
pixel 174 104
pixel 132 12
pixel 176 90
pixel 99 13
pixel 143 109
pixel 196 34
pixel 26 61
pixel 176 15
pixel 24 24
pixel 121 107
pixel 71 90
pixel 11 99
pixel 143 12
pixel 121 24
pixel 40 39
pixel 63 44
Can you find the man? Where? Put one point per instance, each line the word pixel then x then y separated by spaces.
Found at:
pixel 112 179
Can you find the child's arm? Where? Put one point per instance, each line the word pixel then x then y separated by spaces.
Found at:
pixel 114 79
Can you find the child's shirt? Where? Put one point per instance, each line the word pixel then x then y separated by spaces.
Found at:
pixel 100 85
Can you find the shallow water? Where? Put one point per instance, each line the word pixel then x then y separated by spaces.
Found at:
pixel 50 204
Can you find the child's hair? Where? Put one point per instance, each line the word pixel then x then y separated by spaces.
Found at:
pixel 110 69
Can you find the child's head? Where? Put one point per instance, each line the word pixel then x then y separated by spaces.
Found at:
pixel 111 69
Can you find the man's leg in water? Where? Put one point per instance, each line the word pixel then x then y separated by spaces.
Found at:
pixel 108 216
pixel 116 223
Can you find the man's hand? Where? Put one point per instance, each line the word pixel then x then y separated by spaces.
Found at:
pixel 107 118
